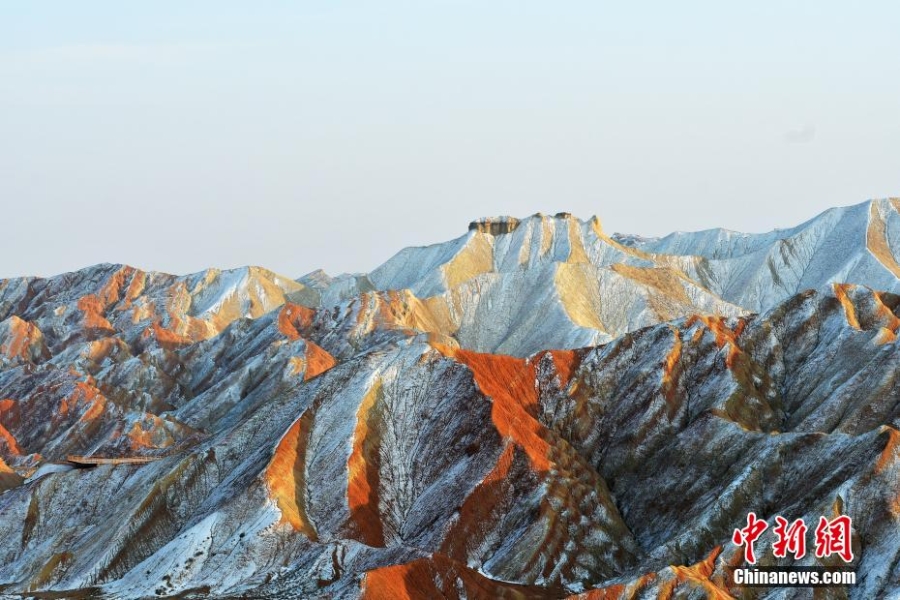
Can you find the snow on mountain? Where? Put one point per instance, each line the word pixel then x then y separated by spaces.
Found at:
pixel 517 286
pixel 856 244
pixel 534 410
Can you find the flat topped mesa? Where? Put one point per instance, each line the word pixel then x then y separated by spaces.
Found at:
pixel 505 224
pixel 494 225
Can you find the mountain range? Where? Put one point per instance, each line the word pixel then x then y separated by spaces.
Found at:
pixel 535 409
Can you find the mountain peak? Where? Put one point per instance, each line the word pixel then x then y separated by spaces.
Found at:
pixel 504 224
pixel 495 225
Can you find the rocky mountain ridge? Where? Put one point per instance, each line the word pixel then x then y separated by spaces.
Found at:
pixel 497 287
pixel 361 436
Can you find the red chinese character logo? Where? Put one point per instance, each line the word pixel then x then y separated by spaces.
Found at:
pixel 790 538
pixel 749 534
pixel 833 537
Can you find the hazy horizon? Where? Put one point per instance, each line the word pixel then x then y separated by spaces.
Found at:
pixel 176 138
pixel 463 231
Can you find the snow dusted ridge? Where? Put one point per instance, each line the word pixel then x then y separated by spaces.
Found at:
pixel 517 286
pixel 535 410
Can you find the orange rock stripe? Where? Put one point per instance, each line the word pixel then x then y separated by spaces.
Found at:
pixel 362 469
pixel 10 441
pixel 510 383
pixel 840 291
pixel 286 476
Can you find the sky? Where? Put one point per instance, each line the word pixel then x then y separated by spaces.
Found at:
pixel 181 135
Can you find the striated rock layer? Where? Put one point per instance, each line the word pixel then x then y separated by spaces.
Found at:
pixel 449 425
pixel 517 286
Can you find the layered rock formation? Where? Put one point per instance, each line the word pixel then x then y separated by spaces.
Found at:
pixel 518 286
pixel 449 425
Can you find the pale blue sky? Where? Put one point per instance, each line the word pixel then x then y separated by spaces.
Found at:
pixel 296 135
